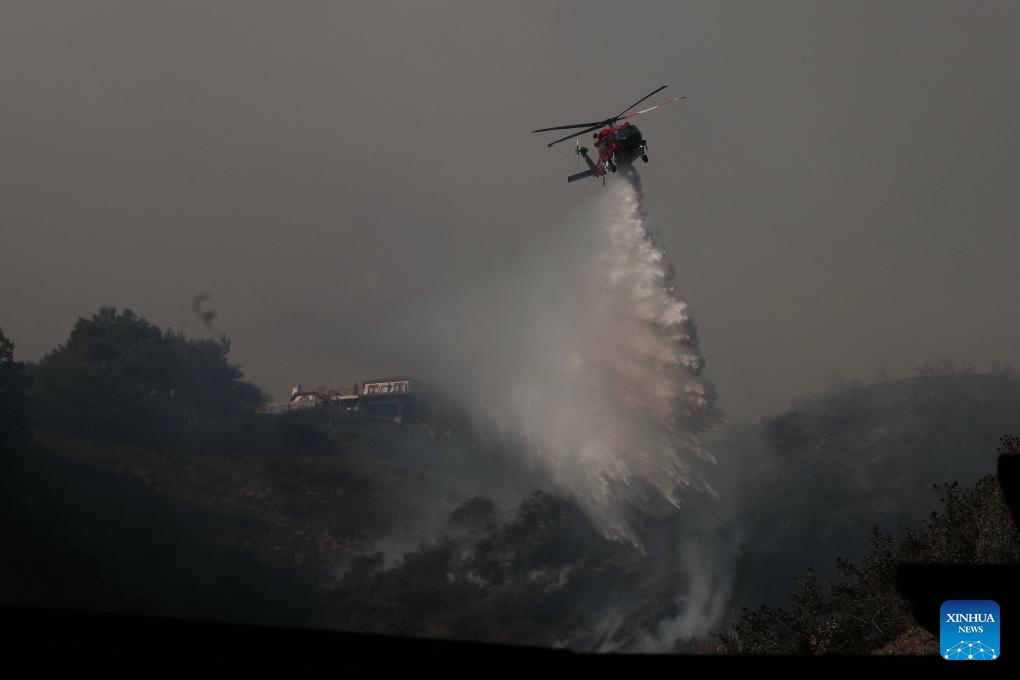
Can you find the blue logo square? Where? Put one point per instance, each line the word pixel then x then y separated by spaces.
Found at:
pixel 969 630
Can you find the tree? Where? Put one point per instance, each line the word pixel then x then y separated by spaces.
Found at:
pixel 14 407
pixel 803 627
pixel 475 514
pixel 864 610
pixel 118 374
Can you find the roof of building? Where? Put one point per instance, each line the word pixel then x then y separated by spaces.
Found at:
pixel 398 378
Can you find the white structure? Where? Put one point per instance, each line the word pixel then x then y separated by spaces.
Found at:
pixel 398 398
pixel 344 397
pixel 397 385
pixel 298 395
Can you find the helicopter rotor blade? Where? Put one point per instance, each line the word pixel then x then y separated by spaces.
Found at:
pixel 608 121
pixel 659 89
pixel 568 127
pixel 576 134
pixel 650 108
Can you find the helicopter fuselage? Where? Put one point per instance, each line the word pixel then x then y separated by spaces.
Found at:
pixel 619 144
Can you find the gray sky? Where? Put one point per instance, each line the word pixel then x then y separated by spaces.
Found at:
pixel 838 191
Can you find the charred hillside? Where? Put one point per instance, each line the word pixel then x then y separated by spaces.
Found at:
pixel 811 482
pixel 120 495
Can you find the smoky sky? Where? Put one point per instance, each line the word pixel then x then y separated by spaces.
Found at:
pixel 838 192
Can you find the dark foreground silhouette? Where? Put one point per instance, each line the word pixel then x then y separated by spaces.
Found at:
pixel 146 641
pixel 927 586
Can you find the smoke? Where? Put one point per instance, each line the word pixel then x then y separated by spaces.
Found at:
pixel 708 566
pixel 587 360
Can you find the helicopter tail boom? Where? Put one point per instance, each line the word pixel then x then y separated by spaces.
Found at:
pixel 581 175
pixel 592 170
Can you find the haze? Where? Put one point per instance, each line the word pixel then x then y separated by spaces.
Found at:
pixel 838 192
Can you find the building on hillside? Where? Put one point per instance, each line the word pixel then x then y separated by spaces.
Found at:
pixel 398 385
pixel 400 398
pixel 345 398
pixel 300 396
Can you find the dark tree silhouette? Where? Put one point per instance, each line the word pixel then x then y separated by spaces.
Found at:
pixel 118 374
pixel 14 411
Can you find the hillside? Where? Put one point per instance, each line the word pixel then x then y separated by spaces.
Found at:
pixel 284 499
pixel 258 518
pixel 811 482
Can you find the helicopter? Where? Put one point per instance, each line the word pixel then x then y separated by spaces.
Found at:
pixel 616 144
